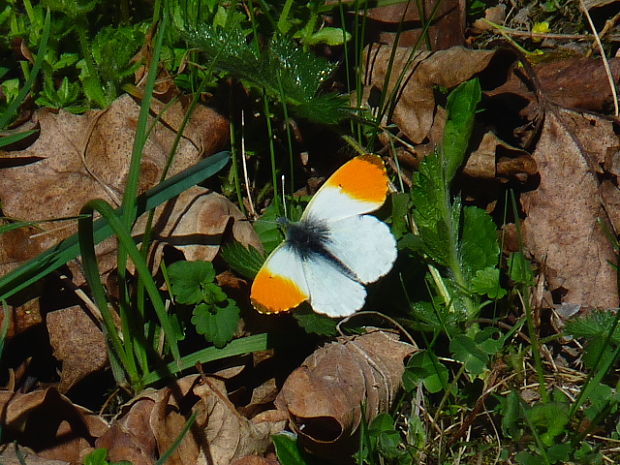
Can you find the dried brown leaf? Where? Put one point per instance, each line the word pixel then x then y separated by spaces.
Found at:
pixel 50 424
pixel 12 454
pixel 78 158
pixel 219 435
pixel 562 228
pixel 415 108
pixel 78 343
pixel 323 396
pixel 446 27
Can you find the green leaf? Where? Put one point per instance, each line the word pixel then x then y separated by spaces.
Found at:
pixel 598 323
pixel 315 323
pixel 462 103
pixel 187 280
pixel 519 269
pixel 465 350
pixel 511 409
pixel 400 209
pixel 217 324
pixel 550 418
pixel 486 282
pixel 330 36
pixel 425 367
pixel 288 450
pixel 283 70
pixel 479 246
pixel 113 47
pixel 245 261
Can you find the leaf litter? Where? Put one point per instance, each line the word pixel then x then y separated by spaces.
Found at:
pixel 563 156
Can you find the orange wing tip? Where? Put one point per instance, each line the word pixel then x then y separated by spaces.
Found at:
pixel 363 178
pixel 274 293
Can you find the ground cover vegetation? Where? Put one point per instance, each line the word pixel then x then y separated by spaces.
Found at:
pixel 148 150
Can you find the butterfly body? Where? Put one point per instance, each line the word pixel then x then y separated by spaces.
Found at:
pixel 334 249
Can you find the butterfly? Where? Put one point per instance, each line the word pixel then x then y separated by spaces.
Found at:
pixel 334 249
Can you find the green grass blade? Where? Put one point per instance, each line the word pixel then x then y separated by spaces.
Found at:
pixel 8 140
pixel 241 346
pixel 91 272
pixel 67 250
pixel 124 237
pixel 6 323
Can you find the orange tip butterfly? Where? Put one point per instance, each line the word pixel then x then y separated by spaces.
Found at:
pixel 334 249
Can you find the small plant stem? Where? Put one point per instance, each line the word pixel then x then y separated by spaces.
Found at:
pixel 525 301
pixel 449 389
pixel 453 257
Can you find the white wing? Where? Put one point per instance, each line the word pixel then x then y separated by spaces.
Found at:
pixel 364 244
pixel 331 291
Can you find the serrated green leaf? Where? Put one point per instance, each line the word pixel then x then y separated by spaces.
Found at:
pixel 187 280
pixel 465 350
pixel 113 47
pixel 244 261
pixel 217 324
pixel 479 246
pixel 462 103
pixel 550 419
pixel 283 70
pixel 486 282
pixel 212 293
pixel 314 323
pixel 596 324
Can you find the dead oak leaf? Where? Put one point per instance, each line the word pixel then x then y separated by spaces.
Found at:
pixel 88 156
pixel 218 436
pixel 412 80
pixel 562 229
pixel 323 396
pixel 78 343
pixel 50 424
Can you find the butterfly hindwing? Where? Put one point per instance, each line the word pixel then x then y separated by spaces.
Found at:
pixel 332 292
pixel 364 245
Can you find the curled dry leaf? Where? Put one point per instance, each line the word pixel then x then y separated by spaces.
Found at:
pixel 219 435
pixel 78 343
pixel 323 396
pixel 422 71
pixel 50 424
pixel 563 227
pixel 487 161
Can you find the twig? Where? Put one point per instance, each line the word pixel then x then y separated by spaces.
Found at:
pixel 610 77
